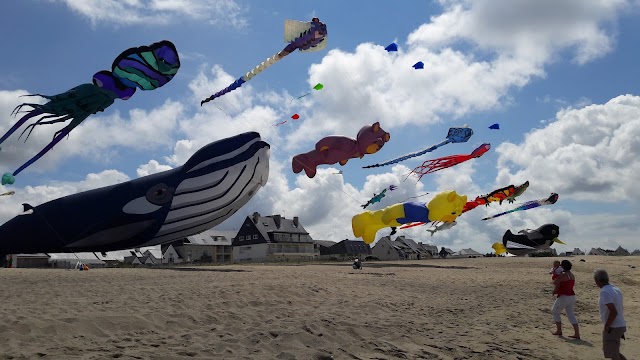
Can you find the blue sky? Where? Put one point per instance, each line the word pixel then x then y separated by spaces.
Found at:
pixel 561 79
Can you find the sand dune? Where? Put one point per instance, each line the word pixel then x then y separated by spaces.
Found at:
pixel 489 308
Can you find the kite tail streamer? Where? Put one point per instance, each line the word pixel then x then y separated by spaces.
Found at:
pixel 246 77
pixel 408 156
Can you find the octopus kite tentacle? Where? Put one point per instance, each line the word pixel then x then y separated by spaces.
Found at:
pixel 144 67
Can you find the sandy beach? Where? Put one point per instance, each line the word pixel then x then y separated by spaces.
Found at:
pixel 486 308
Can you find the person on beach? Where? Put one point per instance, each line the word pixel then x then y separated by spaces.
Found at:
pixel 565 300
pixel 611 314
pixel 556 270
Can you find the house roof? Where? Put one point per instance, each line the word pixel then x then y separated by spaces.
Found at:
pixel 469 252
pixel 37 255
pixel 210 237
pixel 350 247
pixel 269 224
pixel 156 253
pixel 325 243
pixel 85 257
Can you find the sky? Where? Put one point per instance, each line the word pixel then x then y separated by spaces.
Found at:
pixel 560 77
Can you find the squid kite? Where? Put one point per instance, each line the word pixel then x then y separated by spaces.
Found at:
pixel 418 65
pixel 528 241
pixel 376 198
pixel 303 36
pixel 446 206
pixel 529 205
pixel 434 165
pixel 145 67
pixel 455 135
pixel 392 47
pixel 339 149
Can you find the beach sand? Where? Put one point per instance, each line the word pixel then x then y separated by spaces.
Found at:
pixel 486 308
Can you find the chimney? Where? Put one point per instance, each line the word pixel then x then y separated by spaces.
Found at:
pixel 296 222
pixel 276 219
pixel 256 217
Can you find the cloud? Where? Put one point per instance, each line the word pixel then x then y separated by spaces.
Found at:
pixel 585 154
pixel 152 167
pixel 159 12
pixel 475 54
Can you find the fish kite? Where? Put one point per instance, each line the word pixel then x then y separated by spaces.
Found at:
pixel 295 116
pixel 216 182
pixel 495 127
pixel 440 226
pixel 528 241
pixel 455 135
pixel 339 149
pixel 434 165
pixel 376 198
pixel 508 193
pixel 8 193
pixel 303 36
pixel 318 86
pixel 145 67
pixel 418 65
pixel 446 206
pixel 392 47
pixel 529 205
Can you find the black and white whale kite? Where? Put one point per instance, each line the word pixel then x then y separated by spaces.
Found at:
pixel 210 187
pixel 528 241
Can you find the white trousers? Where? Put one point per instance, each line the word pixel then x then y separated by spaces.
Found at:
pixel 565 302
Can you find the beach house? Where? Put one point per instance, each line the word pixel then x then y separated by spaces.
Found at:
pixel 598 251
pixel 349 249
pixel 273 238
pixel 212 246
pixel 466 253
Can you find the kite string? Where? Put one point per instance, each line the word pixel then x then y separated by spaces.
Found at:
pixel 246 122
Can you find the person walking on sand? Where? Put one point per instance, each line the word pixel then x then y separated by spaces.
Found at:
pixel 566 299
pixel 611 314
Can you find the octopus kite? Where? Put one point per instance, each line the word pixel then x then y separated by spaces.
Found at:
pixel 434 165
pixel 455 135
pixel 145 67
pixel 529 205
pixel 303 36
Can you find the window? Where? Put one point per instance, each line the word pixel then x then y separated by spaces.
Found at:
pixel 255 236
pixel 241 238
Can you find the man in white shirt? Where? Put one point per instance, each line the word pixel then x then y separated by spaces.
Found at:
pixel 611 314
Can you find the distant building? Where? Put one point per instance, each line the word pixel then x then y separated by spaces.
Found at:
pixel 620 251
pixel 208 246
pixel 598 251
pixel 431 249
pixel 577 251
pixel 350 249
pixel 322 246
pixel 39 260
pixel 273 238
pixel 385 249
pixel 69 260
pixel 467 253
pixel 417 251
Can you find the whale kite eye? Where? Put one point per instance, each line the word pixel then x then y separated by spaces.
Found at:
pixel 159 194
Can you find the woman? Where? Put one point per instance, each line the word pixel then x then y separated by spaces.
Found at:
pixel 566 299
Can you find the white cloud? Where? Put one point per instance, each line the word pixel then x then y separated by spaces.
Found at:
pixel 475 53
pixel 586 154
pixel 152 167
pixel 136 12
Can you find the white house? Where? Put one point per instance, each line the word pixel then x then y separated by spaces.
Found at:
pixel 170 255
pixel 211 246
pixel 273 238
pixel 467 253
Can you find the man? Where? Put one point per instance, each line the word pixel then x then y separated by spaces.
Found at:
pixel 612 315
